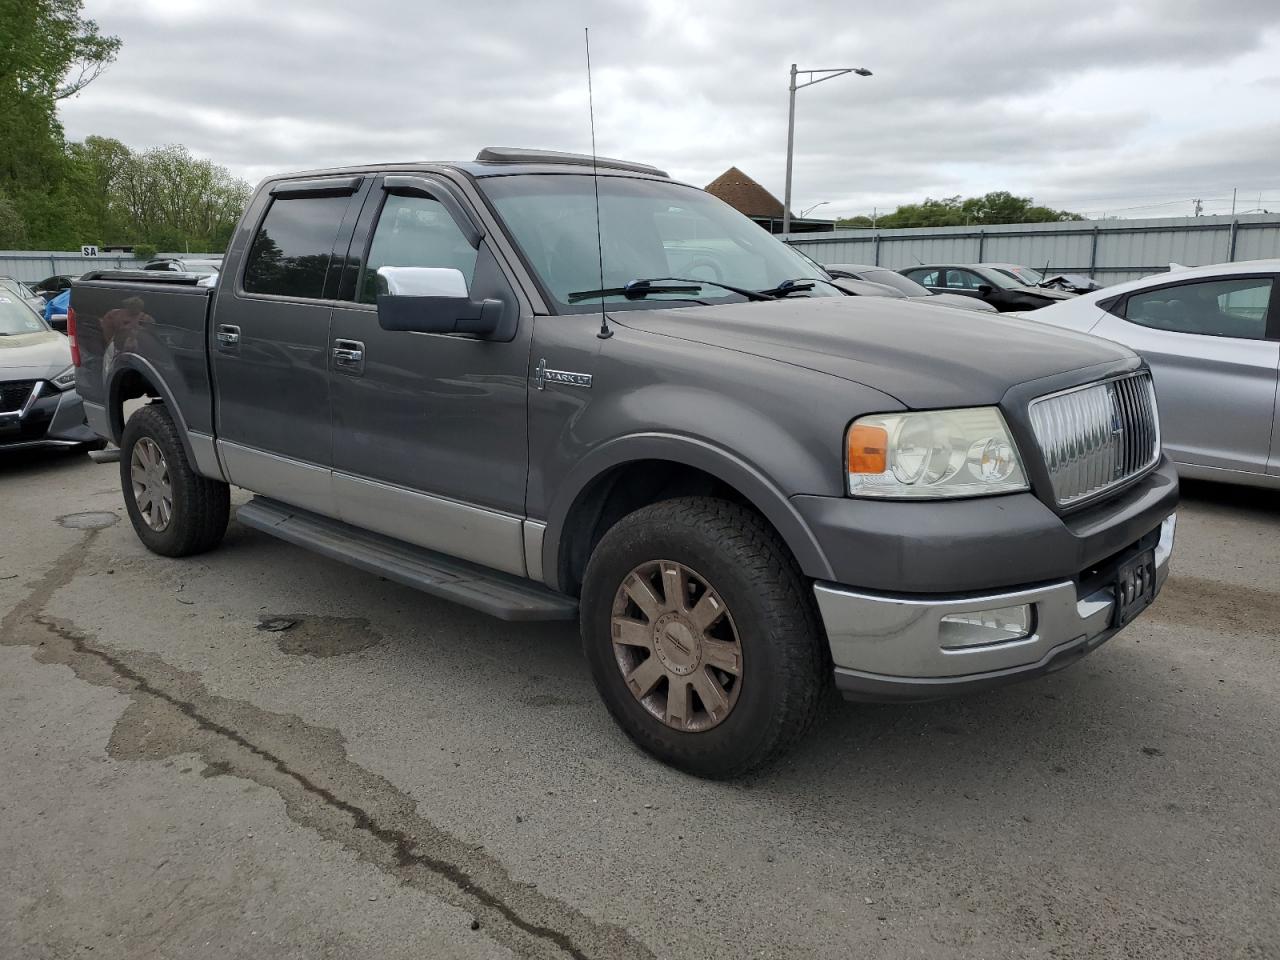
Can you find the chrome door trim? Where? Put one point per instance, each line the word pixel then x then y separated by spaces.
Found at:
pixel 488 537
pixel 294 482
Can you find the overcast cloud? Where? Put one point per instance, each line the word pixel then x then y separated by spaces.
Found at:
pixel 1094 106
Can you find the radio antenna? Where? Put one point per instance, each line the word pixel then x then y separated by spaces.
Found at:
pixel 605 333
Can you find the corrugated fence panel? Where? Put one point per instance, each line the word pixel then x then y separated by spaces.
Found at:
pixel 1110 250
pixel 30 266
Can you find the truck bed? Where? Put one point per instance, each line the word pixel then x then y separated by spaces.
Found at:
pixel 140 320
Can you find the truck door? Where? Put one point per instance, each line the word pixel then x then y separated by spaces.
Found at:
pixel 429 430
pixel 270 345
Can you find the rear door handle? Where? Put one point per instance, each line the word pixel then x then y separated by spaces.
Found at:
pixel 348 351
pixel 228 334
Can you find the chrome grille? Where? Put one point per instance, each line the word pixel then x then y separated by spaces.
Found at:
pixel 1097 436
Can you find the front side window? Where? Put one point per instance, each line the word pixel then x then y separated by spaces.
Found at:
pixel 415 231
pixel 1216 308
pixel 289 256
pixel 649 230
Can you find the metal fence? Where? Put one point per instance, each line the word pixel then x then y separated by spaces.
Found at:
pixel 1110 250
pixel 32 265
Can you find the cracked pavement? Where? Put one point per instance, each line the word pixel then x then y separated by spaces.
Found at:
pixel 393 776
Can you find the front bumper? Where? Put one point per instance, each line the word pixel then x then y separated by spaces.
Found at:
pixel 889 648
pixel 48 418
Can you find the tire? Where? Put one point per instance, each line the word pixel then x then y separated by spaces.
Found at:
pixel 198 507
pixel 784 669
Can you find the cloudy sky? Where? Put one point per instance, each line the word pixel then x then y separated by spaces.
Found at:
pixel 1123 107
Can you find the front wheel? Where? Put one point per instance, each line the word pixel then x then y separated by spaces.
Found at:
pixel 702 636
pixel 174 510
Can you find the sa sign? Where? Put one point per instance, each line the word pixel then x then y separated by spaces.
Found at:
pixel 89 251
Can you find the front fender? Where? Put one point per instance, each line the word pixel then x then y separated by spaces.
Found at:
pixel 694 452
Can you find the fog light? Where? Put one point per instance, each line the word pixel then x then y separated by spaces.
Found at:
pixel 975 628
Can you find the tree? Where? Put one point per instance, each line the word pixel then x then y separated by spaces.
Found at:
pixel 163 196
pixel 48 52
pixel 999 206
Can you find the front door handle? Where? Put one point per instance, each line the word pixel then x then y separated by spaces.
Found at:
pixel 228 334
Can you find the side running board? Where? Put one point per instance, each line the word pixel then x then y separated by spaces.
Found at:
pixel 489 591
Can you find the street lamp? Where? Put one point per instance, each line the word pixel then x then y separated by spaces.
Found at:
pixel 791 121
pixel 808 210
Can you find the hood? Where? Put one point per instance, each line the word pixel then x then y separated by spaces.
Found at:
pixel 34 356
pixel 956 300
pixel 922 356
pixel 1049 293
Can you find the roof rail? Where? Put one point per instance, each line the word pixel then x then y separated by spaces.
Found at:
pixel 522 155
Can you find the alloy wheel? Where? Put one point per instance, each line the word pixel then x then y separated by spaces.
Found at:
pixel 152 488
pixel 677 646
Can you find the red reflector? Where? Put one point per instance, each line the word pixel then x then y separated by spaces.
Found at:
pixel 71 335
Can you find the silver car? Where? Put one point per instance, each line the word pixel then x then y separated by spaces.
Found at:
pixel 39 405
pixel 1212 337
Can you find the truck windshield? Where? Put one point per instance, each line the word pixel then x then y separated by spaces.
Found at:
pixel 648 229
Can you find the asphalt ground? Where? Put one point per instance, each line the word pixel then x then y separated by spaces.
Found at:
pixel 394 776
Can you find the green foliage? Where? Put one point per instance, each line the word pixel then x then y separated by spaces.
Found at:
pixel 13 232
pixel 48 51
pixel 999 206
pixel 58 195
pixel 164 197
pixel 145 251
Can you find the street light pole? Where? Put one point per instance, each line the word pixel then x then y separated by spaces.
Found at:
pixel 827 74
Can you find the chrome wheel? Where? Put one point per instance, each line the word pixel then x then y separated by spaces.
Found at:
pixel 152 489
pixel 677 646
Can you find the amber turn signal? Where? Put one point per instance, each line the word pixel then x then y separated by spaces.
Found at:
pixel 868 449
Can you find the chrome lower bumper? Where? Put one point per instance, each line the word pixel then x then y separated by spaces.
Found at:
pixel 889 648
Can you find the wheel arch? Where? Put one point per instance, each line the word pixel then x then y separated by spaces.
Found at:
pixel 669 465
pixel 132 377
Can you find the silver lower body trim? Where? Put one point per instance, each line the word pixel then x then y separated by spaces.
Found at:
pixel 898 638
pixel 462 530
pixel 206 455
pixel 534 531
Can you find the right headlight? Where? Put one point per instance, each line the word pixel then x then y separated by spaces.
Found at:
pixel 933 454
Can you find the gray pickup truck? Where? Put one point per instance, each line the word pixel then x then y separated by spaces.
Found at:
pixel 551 389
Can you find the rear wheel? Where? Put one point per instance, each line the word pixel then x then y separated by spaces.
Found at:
pixel 174 510
pixel 702 636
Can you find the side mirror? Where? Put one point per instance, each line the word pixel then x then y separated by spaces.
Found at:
pixel 432 300
pixel 985 289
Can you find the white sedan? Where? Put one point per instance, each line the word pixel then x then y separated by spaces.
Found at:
pixel 1212 337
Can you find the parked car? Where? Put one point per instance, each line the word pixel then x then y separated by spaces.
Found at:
pixel 39 405
pixel 9 287
pixel 50 287
pixel 1030 276
pixel 742 488
pixel 984 283
pixel 56 310
pixel 1212 338
pixel 199 267
pixel 906 286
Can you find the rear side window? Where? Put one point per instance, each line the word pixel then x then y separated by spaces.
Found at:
pixel 290 255
pixel 1216 308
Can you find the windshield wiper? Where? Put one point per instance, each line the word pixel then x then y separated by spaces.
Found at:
pixel 787 287
pixel 639 289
